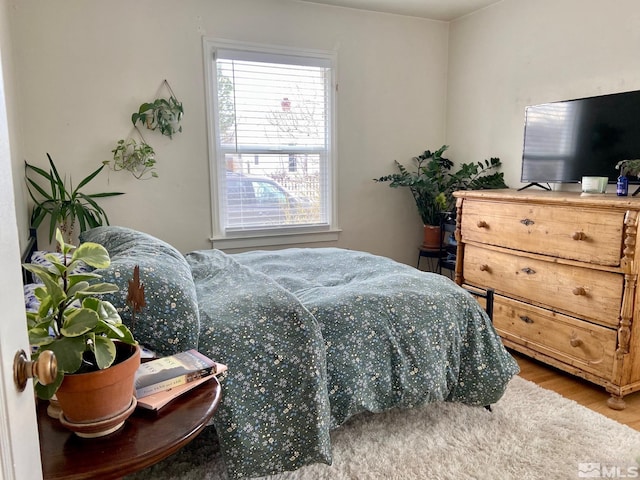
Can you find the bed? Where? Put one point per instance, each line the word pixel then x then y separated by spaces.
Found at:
pixel 311 337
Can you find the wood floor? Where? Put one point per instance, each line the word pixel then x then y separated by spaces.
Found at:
pixel 583 392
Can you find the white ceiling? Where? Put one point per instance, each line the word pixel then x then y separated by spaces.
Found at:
pixel 445 10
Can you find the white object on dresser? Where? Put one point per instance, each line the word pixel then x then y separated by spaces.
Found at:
pixel 564 271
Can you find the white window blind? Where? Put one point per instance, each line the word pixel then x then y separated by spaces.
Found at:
pixel 273 140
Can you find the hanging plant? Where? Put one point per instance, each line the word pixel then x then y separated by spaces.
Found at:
pixel 138 158
pixel 162 114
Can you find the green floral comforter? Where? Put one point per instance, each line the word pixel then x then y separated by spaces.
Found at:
pixel 314 336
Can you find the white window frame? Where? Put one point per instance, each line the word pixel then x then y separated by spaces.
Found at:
pixel 286 234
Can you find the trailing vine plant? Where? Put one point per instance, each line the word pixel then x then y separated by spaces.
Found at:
pixel 138 158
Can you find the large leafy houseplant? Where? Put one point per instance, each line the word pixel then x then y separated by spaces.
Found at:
pixel 432 182
pixel 71 320
pixel 62 203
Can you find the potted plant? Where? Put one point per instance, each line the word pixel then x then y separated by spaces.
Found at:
pixel 629 167
pixel 432 185
pixel 161 114
pixel 137 158
pixel 96 353
pixel 63 203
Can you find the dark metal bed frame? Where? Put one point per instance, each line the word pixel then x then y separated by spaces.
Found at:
pixel 32 246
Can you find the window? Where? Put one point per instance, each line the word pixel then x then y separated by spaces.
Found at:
pixel 271 138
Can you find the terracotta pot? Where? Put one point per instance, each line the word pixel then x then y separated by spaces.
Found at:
pixel 92 401
pixel 432 236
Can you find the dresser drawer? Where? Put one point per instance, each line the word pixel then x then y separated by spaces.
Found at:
pixel 593 236
pixel 581 344
pixel 592 294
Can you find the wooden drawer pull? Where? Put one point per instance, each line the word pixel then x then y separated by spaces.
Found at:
pixel 484 268
pixel 526 319
pixel 575 342
pixel 527 222
pixel 579 291
pixel 528 271
pixel 579 236
pixel 482 224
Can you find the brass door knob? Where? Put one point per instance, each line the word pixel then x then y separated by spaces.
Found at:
pixel 579 236
pixel 45 369
pixel 579 291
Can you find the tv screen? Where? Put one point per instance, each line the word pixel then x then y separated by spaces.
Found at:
pixel 566 140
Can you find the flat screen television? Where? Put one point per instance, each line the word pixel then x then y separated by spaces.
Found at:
pixel 566 140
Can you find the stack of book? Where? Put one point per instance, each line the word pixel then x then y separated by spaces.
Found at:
pixel 161 380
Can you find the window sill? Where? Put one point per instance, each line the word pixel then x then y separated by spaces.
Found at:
pixel 262 240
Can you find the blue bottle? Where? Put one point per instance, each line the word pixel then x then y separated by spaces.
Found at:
pixel 622 187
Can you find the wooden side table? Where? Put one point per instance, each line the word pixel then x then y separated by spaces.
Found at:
pixel 146 438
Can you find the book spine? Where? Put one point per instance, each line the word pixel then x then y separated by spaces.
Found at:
pixel 173 382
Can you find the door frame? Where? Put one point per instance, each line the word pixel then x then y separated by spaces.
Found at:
pixel 19 444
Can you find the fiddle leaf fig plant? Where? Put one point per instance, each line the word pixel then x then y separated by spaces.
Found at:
pixel 137 158
pixel 71 321
pixel 162 114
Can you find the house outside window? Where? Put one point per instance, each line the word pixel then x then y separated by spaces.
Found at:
pixel 271 135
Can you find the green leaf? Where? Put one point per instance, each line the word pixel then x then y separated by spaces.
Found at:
pixel 39 189
pixel 108 313
pixel 45 392
pixel 74 278
pixel 99 289
pixel 54 290
pixel 93 254
pixel 68 352
pixel 77 288
pixel 105 352
pixel 125 334
pixel 38 270
pixel 79 322
pixel 39 336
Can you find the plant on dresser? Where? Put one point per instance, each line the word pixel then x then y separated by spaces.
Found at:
pixel 564 271
pixel 629 167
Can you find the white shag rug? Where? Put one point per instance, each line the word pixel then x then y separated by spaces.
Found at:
pixel 532 433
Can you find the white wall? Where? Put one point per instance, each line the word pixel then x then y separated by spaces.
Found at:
pixel 84 66
pixel 522 52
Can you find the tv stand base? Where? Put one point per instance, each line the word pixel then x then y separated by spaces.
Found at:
pixel 536 184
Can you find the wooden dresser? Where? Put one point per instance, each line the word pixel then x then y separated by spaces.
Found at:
pixel 564 272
